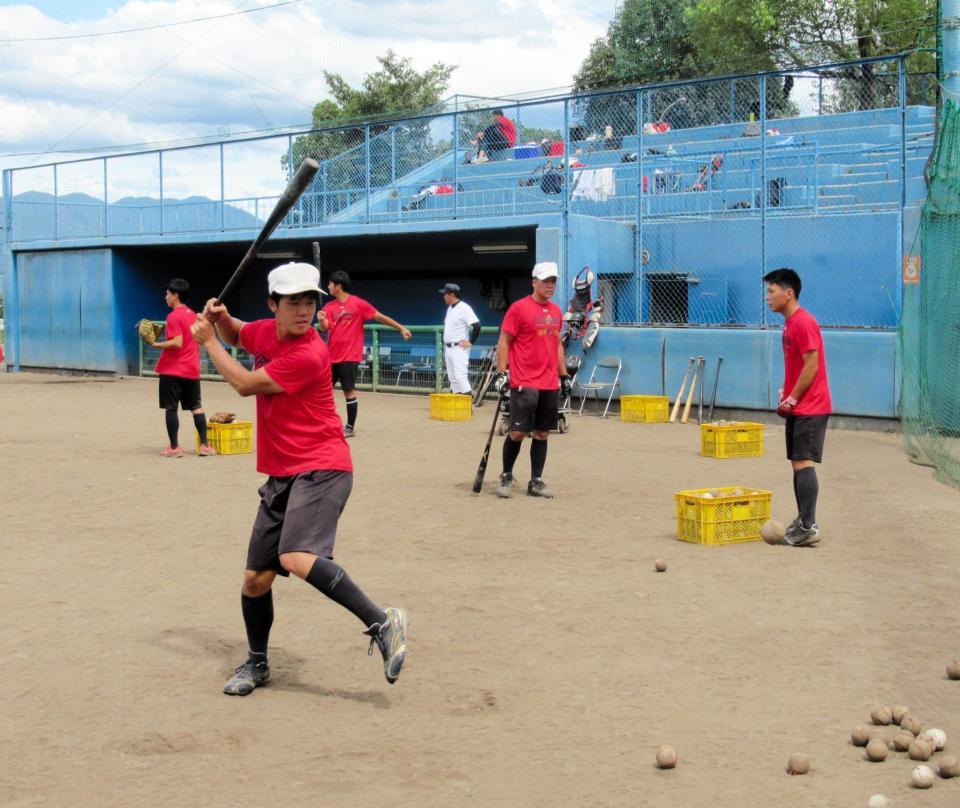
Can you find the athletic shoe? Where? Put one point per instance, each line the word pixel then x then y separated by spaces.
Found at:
pixel 248 676
pixel 801 536
pixel 170 451
pixel 505 487
pixel 348 431
pixel 206 450
pixel 538 488
pixel 391 638
pixel 794 524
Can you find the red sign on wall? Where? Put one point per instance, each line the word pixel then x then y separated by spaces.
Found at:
pixel 911 269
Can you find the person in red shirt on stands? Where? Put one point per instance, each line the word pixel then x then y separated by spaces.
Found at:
pixel 531 364
pixel 343 318
pixel 300 446
pixel 179 370
pixel 496 138
pixel 806 405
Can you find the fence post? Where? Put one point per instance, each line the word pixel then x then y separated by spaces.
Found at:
pixel 393 154
pixel 290 171
pixel 160 172
pixel 56 205
pixel 732 98
pixel 763 191
pixel 222 196
pixel 375 360
pixel 366 160
pixel 638 302
pixel 565 263
pixel 438 367
pixel 323 187
pixel 106 202
pixel 902 90
pixel 456 164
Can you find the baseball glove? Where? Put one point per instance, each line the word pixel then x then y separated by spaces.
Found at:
pixel 221 417
pixel 149 331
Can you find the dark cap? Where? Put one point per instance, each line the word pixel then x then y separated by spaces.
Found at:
pixel 450 287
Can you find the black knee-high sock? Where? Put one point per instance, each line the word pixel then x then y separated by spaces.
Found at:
pixel 173 428
pixel 807 490
pixel 538 458
pixel 332 579
pixel 796 492
pixel 352 407
pixel 511 450
pixel 200 422
pixel 258 618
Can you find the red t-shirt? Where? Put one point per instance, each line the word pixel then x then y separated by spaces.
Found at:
pixel 185 360
pixel 508 129
pixel 298 430
pixel 345 337
pixel 801 334
pixel 535 328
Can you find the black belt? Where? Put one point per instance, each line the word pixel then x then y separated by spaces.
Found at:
pixel 451 344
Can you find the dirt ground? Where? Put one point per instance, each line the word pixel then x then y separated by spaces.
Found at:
pixel 547 661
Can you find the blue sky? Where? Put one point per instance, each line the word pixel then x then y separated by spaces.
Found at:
pixel 253 71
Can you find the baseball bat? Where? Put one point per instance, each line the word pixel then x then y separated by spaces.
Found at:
pixel 683 385
pixel 300 182
pixel 693 389
pixel 482 468
pixel 486 374
pixel 703 374
pixel 713 395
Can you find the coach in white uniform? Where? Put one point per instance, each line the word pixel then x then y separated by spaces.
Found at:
pixel 460 330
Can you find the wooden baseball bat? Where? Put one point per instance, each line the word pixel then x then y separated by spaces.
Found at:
pixel 683 384
pixel 300 182
pixel 482 468
pixel 713 395
pixel 693 389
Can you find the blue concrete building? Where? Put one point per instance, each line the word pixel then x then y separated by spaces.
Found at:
pixel 678 222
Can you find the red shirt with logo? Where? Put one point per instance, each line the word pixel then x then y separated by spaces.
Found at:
pixel 346 318
pixel 535 328
pixel 185 360
pixel 298 430
pixel 801 334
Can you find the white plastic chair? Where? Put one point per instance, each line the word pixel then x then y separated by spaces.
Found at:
pixel 605 376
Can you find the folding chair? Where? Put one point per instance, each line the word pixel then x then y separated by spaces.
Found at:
pixel 364 365
pixel 422 360
pixel 604 376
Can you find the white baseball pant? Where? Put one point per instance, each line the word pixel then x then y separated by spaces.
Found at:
pixel 458 359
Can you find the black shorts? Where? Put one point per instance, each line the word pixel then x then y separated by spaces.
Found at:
pixel 176 390
pixel 805 434
pixel 533 410
pixel 297 514
pixel 346 373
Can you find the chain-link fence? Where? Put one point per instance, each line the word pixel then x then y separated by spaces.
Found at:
pixel 678 197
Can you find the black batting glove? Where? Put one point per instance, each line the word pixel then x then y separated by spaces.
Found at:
pixel 566 386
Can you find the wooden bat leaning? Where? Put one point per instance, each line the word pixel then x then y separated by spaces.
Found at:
pixel 683 385
pixel 693 389
pixel 300 182
pixel 482 468
pixel 713 395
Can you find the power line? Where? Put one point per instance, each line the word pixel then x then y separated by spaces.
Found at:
pixel 148 27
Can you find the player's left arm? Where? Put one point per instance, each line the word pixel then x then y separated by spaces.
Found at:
pixel 382 318
pixel 561 361
pixel 245 382
pixel 811 364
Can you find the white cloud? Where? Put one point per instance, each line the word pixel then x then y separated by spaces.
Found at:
pixel 50 89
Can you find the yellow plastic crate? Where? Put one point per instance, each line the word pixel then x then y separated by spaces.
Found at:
pixel 228 439
pixel 738 439
pixel 644 409
pixel 451 407
pixel 726 519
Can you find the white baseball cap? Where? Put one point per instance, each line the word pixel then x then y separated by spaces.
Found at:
pixel 545 270
pixel 294 279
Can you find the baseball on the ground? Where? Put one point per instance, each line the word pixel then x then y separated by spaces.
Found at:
pixel 798 763
pixel 772 531
pixel 881 716
pixel 953 669
pixel 949 766
pixel 666 757
pixel 899 711
pixel 922 777
pixel 860 735
pixel 660 565
pixel 877 750
pixel 878 801
pixel 902 740
pixel 920 749
pixel 911 724
pixel 937 736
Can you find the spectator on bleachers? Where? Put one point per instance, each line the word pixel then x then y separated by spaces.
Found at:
pixel 493 141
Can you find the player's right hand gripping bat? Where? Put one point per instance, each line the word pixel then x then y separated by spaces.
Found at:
pixel 298 184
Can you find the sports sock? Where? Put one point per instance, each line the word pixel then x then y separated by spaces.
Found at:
pixel 511 450
pixel 538 458
pixel 807 490
pixel 258 618
pixel 796 493
pixel 200 422
pixel 332 579
pixel 352 406
pixel 173 428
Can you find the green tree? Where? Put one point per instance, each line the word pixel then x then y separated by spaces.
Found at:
pixel 396 89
